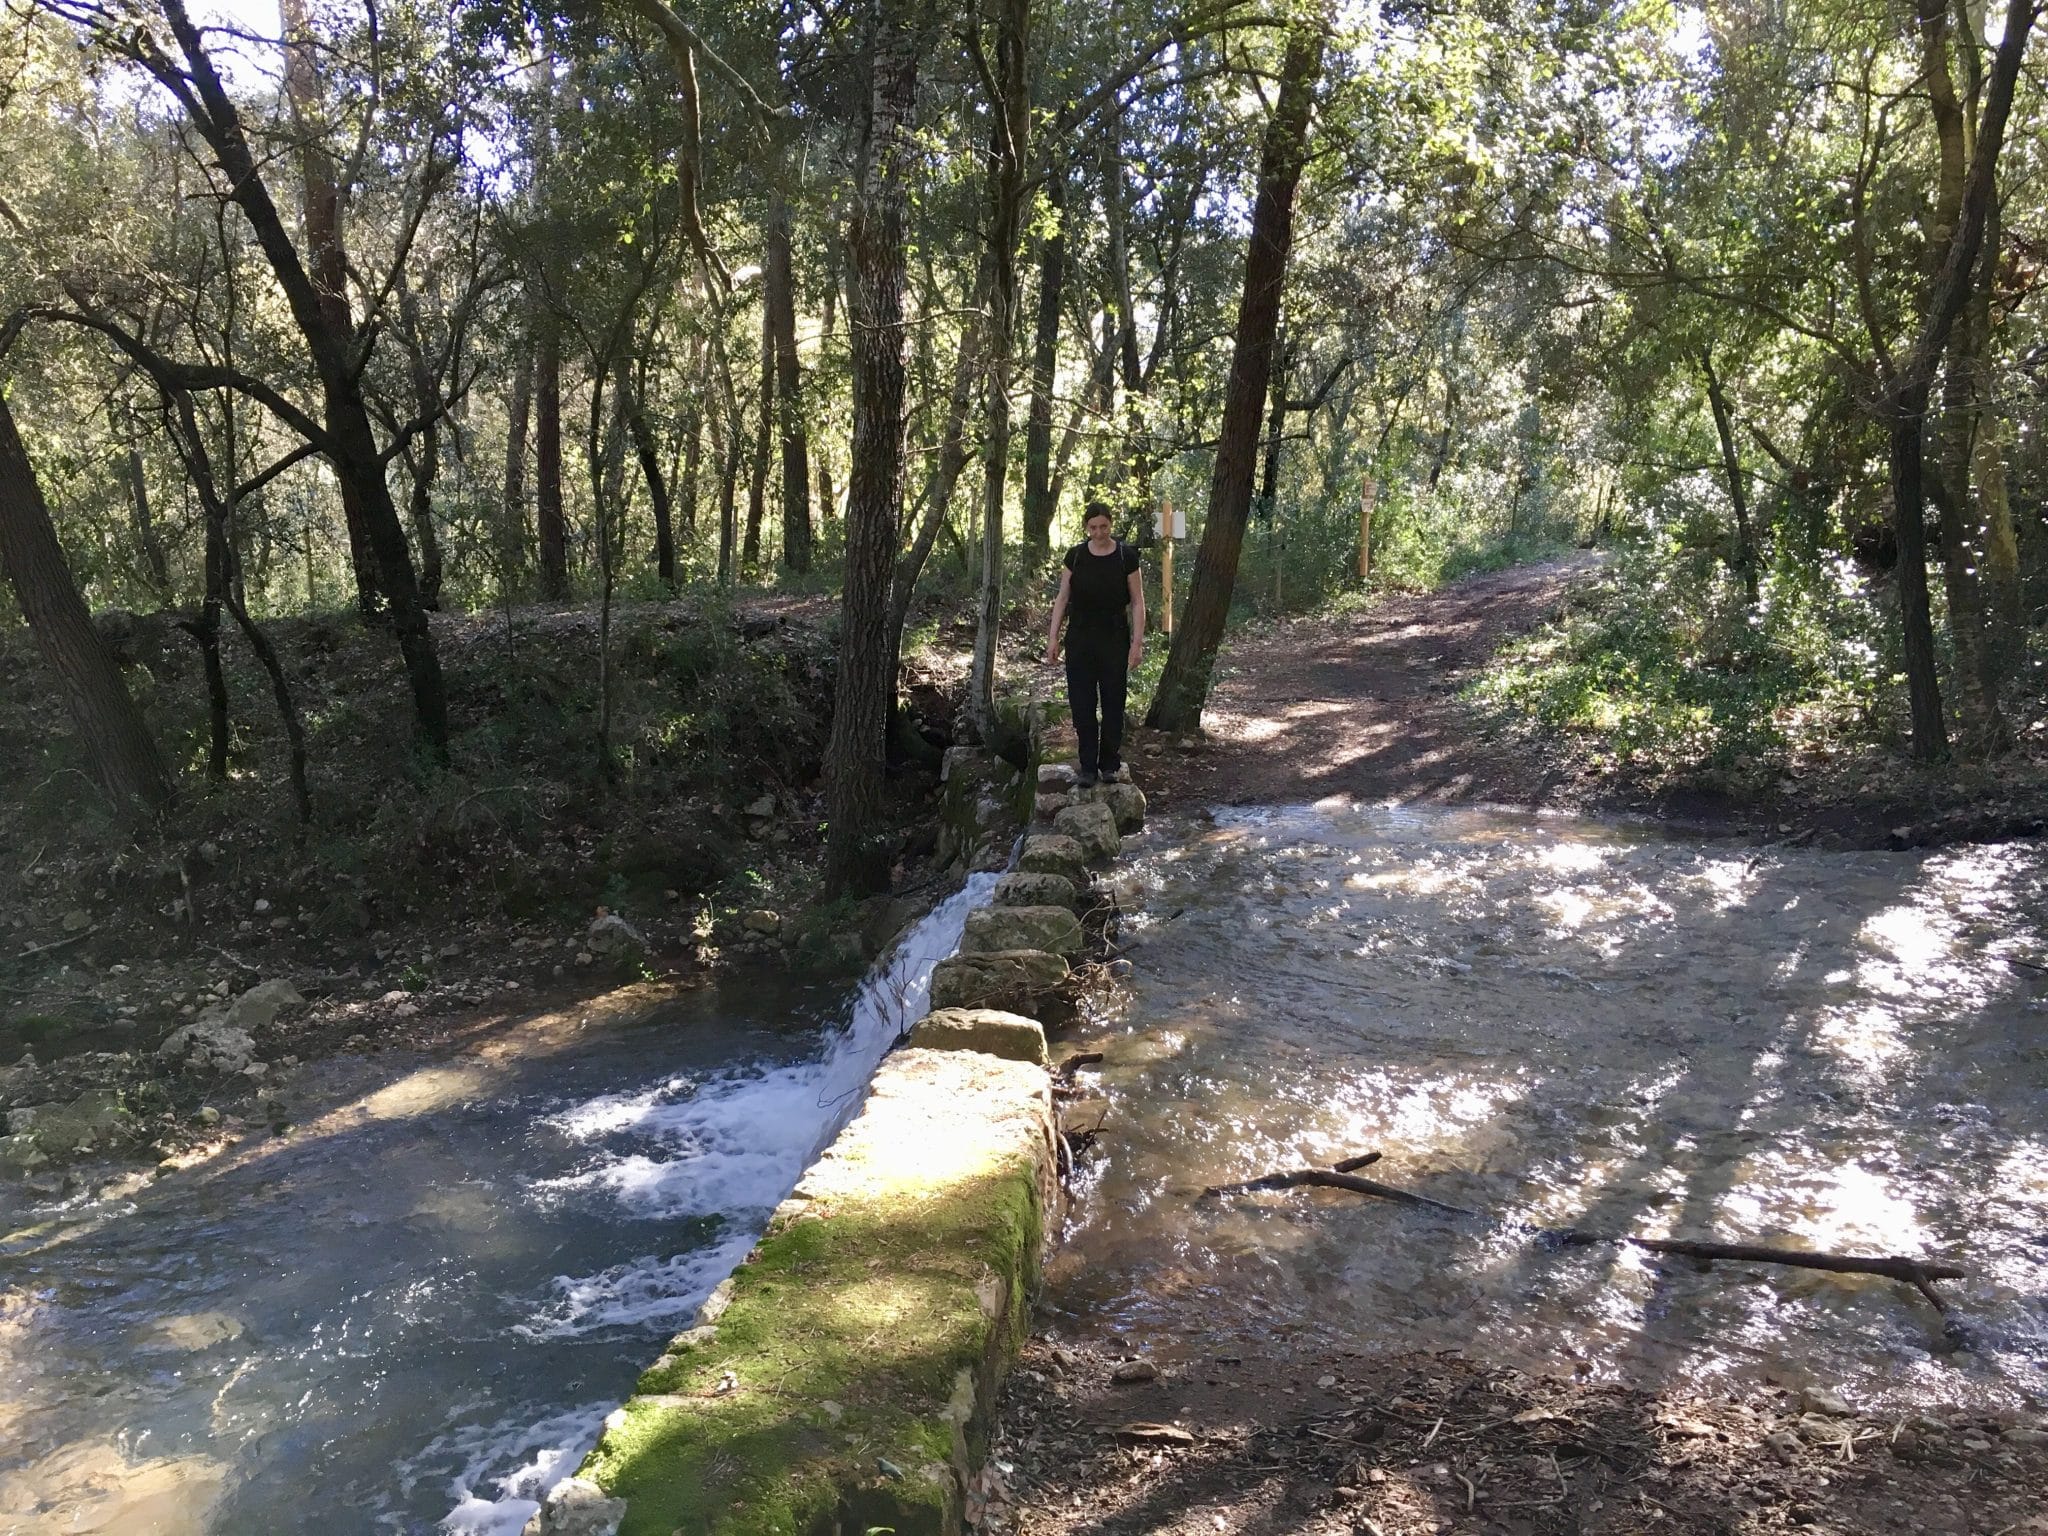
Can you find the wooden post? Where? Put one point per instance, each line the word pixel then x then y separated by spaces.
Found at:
pixel 1368 493
pixel 1166 566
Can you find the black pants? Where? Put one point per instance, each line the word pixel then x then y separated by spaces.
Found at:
pixel 1098 671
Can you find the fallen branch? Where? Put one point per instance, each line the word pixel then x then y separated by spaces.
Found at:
pixel 1911 1271
pixel 1338 1175
pixel 1914 1272
pixel 1076 1062
pixel 56 944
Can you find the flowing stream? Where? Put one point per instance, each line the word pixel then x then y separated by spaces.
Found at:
pixel 412 1314
pixel 1567 1022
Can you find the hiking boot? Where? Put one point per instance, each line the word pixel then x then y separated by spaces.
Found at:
pixel 1086 778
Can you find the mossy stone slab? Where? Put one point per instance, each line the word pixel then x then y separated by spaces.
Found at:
pixel 850 1381
pixel 990 1030
pixel 1093 826
pixel 1025 889
pixel 1048 853
pixel 1015 979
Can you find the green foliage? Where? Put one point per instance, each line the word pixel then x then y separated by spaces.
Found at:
pixel 1662 670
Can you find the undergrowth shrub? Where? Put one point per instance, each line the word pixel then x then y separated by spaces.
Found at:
pixel 1660 666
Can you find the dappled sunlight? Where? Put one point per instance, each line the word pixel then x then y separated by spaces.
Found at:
pixel 1829 1205
pixel 420 1093
pixel 1566 1024
pixel 1866 1040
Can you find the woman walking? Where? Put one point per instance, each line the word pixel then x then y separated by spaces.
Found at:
pixel 1103 600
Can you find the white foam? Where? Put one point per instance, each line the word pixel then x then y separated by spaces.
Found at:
pixel 731 1145
pixel 735 1142
pixel 631 1295
pixel 505 1469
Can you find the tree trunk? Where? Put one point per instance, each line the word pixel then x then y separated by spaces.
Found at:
pixel 1011 114
pixel 1745 561
pixel 424 456
pixel 551 526
pixel 779 295
pixel 693 459
pixel 1039 506
pixel 223 580
pixel 1184 685
pixel 634 405
pixel 1910 376
pixel 937 497
pixel 855 858
pixel 732 449
pixel 146 540
pixel 757 479
pixel 1118 253
pixel 1276 428
pixel 512 531
pixel 1100 392
pixel 207 632
pixel 1909 525
pixel 327 256
pixel 117 744
pixel 828 498
pixel 349 441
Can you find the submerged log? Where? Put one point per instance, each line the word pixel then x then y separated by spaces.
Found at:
pixel 1915 1272
pixel 1892 1267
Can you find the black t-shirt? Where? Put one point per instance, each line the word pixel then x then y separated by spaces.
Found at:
pixel 1099 596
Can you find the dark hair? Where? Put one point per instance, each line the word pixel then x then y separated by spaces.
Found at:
pixel 1096 509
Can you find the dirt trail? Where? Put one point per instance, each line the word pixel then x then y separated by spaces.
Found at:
pixel 1368 705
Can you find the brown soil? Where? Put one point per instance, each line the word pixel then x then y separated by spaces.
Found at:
pixel 1368 706
pixel 1435 1443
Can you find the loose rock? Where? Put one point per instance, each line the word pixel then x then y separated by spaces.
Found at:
pixel 577 1507
pixel 259 1007
pixel 209 1044
pixel 611 934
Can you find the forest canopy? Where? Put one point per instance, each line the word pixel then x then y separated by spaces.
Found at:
pixel 408 307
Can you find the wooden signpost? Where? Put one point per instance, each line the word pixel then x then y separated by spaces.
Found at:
pixel 1172 525
pixel 1368 493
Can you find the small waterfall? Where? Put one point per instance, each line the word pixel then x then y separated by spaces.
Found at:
pixel 727 1148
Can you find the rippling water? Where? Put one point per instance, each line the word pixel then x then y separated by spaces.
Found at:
pixel 412 1314
pixel 1569 1022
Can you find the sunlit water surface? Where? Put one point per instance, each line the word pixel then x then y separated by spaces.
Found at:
pixel 1566 1022
pixel 413 1315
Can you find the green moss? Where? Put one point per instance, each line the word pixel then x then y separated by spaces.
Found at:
pixel 846 1384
